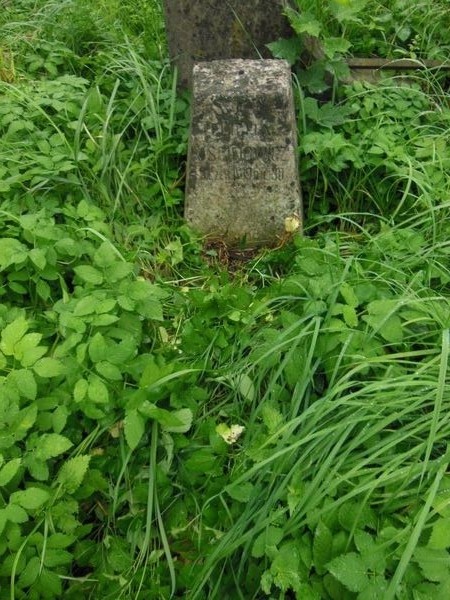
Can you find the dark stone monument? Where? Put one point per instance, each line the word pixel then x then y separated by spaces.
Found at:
pixel 242 177
pixel 200 30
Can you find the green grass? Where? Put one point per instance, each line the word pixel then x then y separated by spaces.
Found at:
pixel 172 429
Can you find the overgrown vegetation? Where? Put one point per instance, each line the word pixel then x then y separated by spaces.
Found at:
pixel 169 428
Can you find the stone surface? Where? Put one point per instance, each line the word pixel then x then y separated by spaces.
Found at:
pixel 217 29
pixel 242 176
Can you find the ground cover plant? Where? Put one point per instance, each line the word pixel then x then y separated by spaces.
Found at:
pixel 171 427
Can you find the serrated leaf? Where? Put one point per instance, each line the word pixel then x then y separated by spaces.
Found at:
pixel 350 316
pixel 11 334
pixel 334 45
pixel 56 558
pixel 97 391
pixel 30 499
pixel 89 274
pixel 434 563
pixel 98 350
pixel 134 427
pixel 85 306
pixel 38 258
pixel 322 547
pixel 303 22
pixel 25 382
pixel 11 252
pixel 60 540
pixel 272 418
pixel 30 573
pixel 80 390
pixel 178 421
pixel 267 541
pixel 50 445
pixel 440 535
pixel 350 570
pixel 9 470
pixel 242 492
pixel 16 514
pixel 285 568
pixel 48 367
pixel 287 49
pixel 72 472
pixel 108 370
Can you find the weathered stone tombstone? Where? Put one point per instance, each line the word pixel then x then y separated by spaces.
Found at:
pixel 242 175
pixel 207 30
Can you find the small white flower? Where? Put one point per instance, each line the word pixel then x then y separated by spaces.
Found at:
pixel 230 434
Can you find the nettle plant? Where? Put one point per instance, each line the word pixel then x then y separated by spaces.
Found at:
pixel 84 378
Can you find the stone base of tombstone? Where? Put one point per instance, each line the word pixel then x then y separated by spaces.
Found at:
pixel 218 29
pixel 242 175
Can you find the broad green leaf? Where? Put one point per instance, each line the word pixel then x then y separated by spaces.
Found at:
pixel 24 420
pixel 38 258
pixel 104 320
pixel 27 342
pixel 72 472
pixel 59 418
pixel 11 334
pixel 16 514
pixel 30 573
pixel 57 557
pixel 60 540
pixel 89 274
pixel 322 547
pixel 434 563
pixel 98 349
pixel 178 421
pixel 49 584
pixel 85 306
pixel 106 255
pixel 11 252
pixel 272 417
pixel 334 45
pixel 97 391
pixel 25 382
pixel 242 492
pixel 118 271
pixel 50 445
pixel 350 316
pixel 80 390
pixel 9 470
pixel 285 568
pixel 202 461
pixel 108 370
pixel 31 498
pixel 440 534
pixel 350 570
pixel 29 357
pixel 267 541
pixel 134 427
pixel 246 387
pixel 105 306
pixel 287 49
pixel 38 469
pixel 303 23
pixel 150 308
pixel 48 367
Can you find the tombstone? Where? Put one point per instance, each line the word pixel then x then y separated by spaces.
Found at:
pixel 242 176
pixel 200 30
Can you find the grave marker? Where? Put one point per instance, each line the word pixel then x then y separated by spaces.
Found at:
pixel 242 176
pixel 217 29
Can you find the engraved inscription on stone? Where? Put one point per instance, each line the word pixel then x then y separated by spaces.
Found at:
pixel 215 29
pixel 242 175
